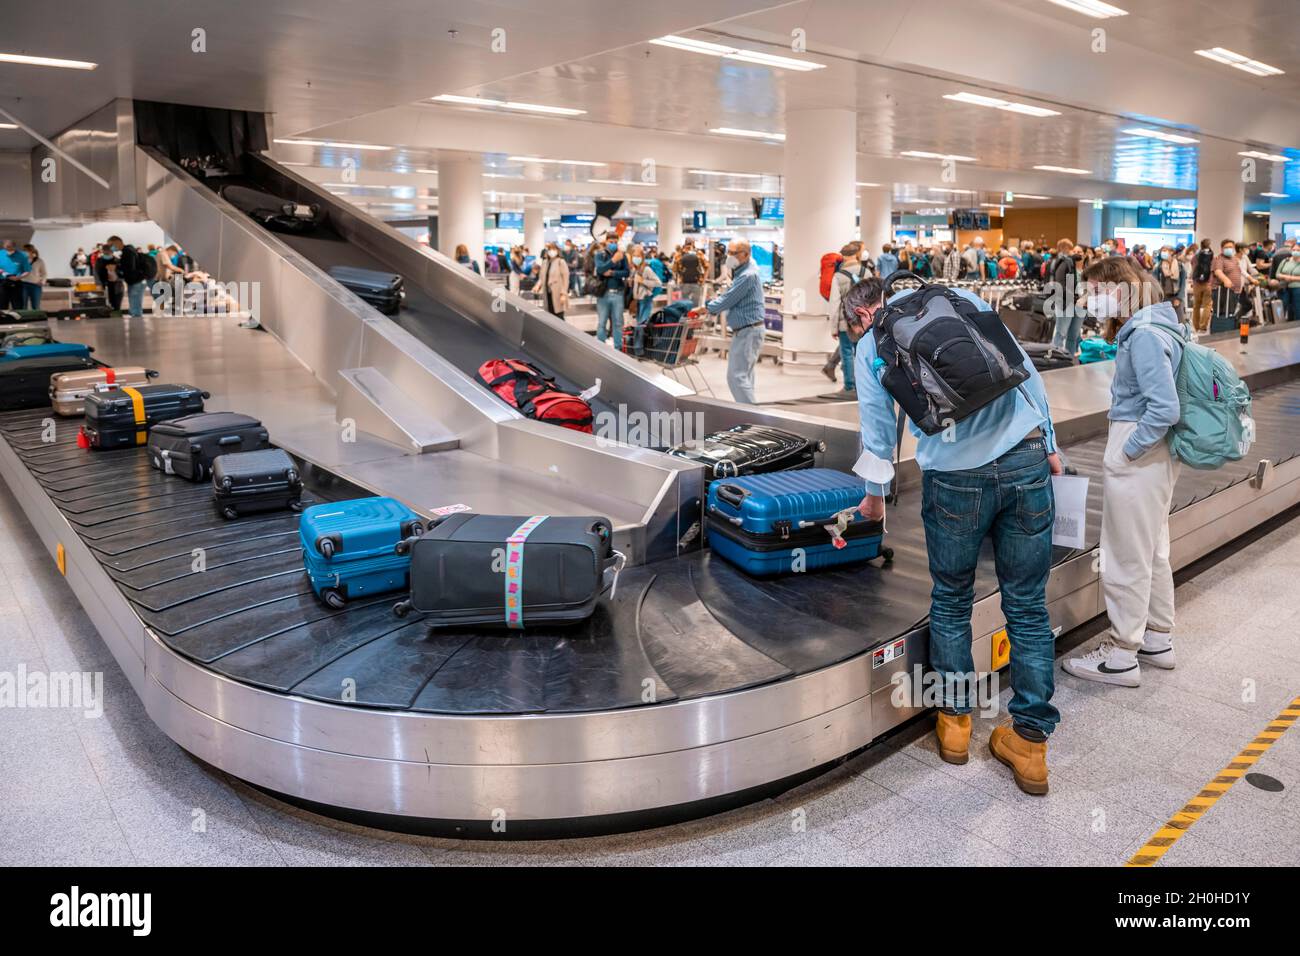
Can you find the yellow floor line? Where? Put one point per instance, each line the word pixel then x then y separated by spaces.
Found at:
pixel 1182 821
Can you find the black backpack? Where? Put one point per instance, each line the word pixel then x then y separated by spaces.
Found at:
pixel 944 357
pixel 1204 266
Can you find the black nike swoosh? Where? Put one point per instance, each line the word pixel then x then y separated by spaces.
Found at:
pixel 1103 669
pixel 1154 653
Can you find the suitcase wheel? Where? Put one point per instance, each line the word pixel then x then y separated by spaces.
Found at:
pixel 295 505
pixel 887 554
pixel 403 547
pixel 402 608
pixel 230 514
pixel 333 598
pixel 325 546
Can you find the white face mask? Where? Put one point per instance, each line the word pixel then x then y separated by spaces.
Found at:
pixel 1229 252
pixel 637 260
pixel 1103 306
pixel 733 263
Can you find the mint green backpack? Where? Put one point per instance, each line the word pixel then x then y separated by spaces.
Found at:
pixel 1214 422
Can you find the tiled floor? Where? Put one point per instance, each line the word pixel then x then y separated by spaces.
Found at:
pixel 115 790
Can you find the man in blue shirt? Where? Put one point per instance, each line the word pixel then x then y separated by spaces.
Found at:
pixel 887 263
pixel 988 475
pixel 743 303
pixel 11 267
pixel 611 266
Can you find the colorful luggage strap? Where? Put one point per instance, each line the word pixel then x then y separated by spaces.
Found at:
pixel 514 580
pixel 137 403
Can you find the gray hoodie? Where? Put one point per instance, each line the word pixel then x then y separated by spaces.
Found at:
pixel 1145 365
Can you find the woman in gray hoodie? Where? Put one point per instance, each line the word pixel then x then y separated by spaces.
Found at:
pixel 1139 473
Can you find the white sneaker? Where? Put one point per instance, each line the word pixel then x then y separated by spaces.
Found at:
pixel 1107 664
pixel 1157 650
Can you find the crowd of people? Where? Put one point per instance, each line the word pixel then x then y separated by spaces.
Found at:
pixel 124 272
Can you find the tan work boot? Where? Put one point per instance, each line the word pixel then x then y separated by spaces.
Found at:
pixel 953 732
pixel 1027 759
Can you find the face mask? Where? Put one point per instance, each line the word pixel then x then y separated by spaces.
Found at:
pixel 1164 255
pixel 611 246
pixel 1102 306
pixel 733 263
pixel 1295 253
pixel 637 259
pixel 1229 253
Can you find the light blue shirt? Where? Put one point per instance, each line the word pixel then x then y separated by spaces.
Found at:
pixel 984 436
pixel 886 265
pixel 743 300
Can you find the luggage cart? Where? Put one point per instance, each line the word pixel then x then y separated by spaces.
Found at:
pixel 672 346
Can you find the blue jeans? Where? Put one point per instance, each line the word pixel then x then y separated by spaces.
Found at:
pixel 742 356
pixel 1011 500
pixel 1069 329
pixel 609 316
pixel 1291 302
pixel 847 349
pixel 644 308
pixel 32 295
pixel 135 298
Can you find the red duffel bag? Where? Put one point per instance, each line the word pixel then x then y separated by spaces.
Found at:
pixel 523 386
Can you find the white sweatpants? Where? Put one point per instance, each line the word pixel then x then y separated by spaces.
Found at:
pixel 1136 579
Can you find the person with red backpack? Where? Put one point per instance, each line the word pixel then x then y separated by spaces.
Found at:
pixel 839 274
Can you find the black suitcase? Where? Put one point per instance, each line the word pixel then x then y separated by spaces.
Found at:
pixel 122 417
pixel 21 316
pixel 383 290
pixel 1027 326
pixel 186 446
pixel 250 482
pixel 274 212
pixel 59 282
pixel 512 571
pixel 25 383
pixel 750 450
pixel 1046 357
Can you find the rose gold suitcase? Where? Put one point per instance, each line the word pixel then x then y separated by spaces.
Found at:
pixel 68 390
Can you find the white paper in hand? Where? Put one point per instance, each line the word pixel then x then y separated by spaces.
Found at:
pixel 1071 524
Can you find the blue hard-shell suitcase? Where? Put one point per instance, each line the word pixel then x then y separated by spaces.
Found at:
pixel 350 547
pixel 48 350
pixel 759 522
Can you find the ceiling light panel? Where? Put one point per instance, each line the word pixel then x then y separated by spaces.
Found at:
pixel 993 102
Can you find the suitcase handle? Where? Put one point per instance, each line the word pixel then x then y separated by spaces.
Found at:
pixel 230 440
pixel 733 495
pixel 713 510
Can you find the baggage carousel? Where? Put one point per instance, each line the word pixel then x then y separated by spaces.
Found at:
pixel 693 688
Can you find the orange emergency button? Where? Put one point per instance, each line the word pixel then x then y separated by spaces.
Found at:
pixel 1001 650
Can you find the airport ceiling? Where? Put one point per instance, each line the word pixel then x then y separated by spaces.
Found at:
pixel 892 63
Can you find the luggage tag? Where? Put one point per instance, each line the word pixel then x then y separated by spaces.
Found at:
pixel 612 572
pixel 588 394
pixel 841 524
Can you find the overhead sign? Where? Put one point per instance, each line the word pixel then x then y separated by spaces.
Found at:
pixel 700 220
pixel 577 219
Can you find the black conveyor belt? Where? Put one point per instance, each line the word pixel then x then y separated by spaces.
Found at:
pixel 695 625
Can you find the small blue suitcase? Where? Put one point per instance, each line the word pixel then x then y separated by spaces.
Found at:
pixel 758 522
pixel 48 350
pixel 350 547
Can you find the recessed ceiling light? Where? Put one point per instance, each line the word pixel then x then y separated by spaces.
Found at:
pixel 1271 157
pixel 751 133
pixel 1275 195
pixel 993 205
pixel 868 185
pixel 737 53
pixel 922 154
pixel 1029 196
pixel 327 142
pixel 566 162
pixel 1219 55
pixel 1160 135
pixel 7 126
pixel 1064 169
pixel 24 60
pixel 719 172
pixel 976 99
pixel 620 182
pixel 506 104
pixel 1092 8
pixel 1094 202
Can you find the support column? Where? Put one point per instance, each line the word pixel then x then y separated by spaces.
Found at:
pixel 1221 193
pixel 460 203
pixel 820 182
pixel 1089 227
pixel 534 228
pixel 876 223
pixel 670 224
